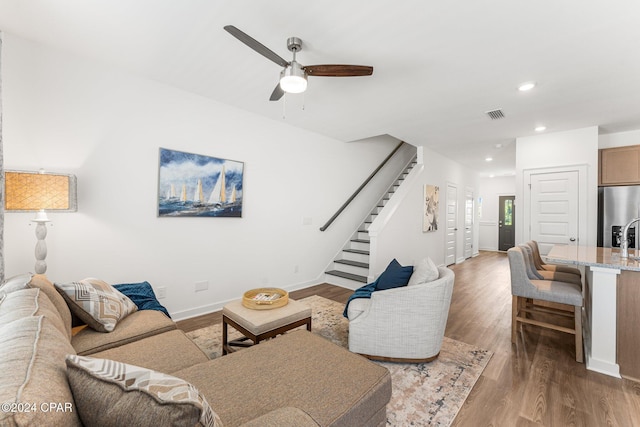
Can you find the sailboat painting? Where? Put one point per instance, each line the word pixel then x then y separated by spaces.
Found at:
pixel 196 185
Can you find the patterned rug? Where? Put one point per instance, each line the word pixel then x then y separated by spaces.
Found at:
pixel 424 394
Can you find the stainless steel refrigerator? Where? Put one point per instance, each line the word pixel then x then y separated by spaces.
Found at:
pixel 616 207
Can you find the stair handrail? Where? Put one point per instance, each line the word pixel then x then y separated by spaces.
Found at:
pixel 364 184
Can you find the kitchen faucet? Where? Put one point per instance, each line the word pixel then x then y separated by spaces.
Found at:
pixel 624 240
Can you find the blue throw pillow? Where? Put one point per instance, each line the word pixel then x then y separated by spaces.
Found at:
pixel 142 295
pixel 394 276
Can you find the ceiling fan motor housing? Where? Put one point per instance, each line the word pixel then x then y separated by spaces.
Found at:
pixel 294 44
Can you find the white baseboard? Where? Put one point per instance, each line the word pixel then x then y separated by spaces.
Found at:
pixel 217 306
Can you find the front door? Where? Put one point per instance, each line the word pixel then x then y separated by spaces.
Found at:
pixel 506 223
pixel 452 225
pixel 554 209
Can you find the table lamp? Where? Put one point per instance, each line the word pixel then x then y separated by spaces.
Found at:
pixel 40 192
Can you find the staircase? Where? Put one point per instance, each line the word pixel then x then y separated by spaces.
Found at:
pixel 352 268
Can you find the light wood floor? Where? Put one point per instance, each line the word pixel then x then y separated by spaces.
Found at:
pixel 536 382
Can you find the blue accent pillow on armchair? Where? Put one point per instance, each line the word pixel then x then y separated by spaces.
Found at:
pixel 394 276
pixel 142 295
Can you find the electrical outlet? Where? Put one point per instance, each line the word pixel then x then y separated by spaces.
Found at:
pixel 202 286
pixel 161 292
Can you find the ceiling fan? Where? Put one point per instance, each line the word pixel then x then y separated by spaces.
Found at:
pixel 293 77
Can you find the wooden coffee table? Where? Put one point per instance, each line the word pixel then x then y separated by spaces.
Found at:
pixel 259 325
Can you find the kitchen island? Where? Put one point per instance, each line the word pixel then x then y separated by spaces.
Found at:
pixel 611 322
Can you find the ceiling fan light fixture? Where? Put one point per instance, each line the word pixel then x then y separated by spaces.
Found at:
pixel 293 79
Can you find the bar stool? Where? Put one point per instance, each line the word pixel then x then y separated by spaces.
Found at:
pixel 524 290
pixel 541 265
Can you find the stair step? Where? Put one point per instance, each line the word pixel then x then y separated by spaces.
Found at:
pixel 361 241
pixel 352 263
pixel 354 277
pixel 363 234
pixel 356 251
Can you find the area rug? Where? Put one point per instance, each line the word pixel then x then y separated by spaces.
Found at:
pixel 424 394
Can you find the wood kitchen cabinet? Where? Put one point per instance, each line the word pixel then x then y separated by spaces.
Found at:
pixel 619 165
pixel 628 320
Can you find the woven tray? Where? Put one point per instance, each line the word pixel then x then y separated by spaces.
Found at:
pixel 265 298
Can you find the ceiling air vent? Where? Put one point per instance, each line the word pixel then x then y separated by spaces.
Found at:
pixel 495 114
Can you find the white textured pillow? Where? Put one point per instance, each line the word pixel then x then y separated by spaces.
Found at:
pixel 16 283
pixel 107 392
pixel 96 302
pixel 425 271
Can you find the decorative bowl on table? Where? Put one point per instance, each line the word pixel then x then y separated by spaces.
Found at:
pixel 265 298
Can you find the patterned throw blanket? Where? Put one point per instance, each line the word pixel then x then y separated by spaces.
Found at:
pixel 142 295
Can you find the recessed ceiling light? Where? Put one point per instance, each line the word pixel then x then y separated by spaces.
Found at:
pixel 526 86
pixel 498 145
pixel 491 176
pixel 488 159
pixel 540 128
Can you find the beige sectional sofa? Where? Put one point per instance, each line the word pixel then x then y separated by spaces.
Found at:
pixel 298 379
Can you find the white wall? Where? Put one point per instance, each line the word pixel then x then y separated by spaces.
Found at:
pixel 67 114
pixel 490 191
pixel 560 149
pixel 401 236
pixel 619 139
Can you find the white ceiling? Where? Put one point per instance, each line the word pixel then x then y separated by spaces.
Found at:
pixel 438 65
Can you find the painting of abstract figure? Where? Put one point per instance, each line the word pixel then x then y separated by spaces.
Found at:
pixel 431 196
pixel 196 185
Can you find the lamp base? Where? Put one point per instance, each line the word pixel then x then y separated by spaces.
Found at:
pixel 41 247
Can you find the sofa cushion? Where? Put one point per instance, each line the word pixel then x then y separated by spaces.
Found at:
pixel 32 365
pixel 114 393
pixel 96 302
pixel 283 417
pixel 394 276
pixel 15 283
pixel 31 302
pixel 425 271
pixel 348 390
pixel 158 352
pixel 40 281
pixel 137 325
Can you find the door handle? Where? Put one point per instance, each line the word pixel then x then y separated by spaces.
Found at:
pixel 572 239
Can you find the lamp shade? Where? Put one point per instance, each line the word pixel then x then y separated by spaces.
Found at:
pixel 33 191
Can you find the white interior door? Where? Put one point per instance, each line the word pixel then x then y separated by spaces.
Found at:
pixel 452 224
pixel 468 223
pixel 554 209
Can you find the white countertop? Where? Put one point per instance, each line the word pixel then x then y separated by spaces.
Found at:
pixel 593 256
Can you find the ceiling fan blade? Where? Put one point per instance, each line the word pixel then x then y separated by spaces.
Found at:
pixel 335 70
pixel 277 93
pixel 256 45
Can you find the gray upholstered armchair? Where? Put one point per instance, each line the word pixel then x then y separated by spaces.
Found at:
pixel 403 324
